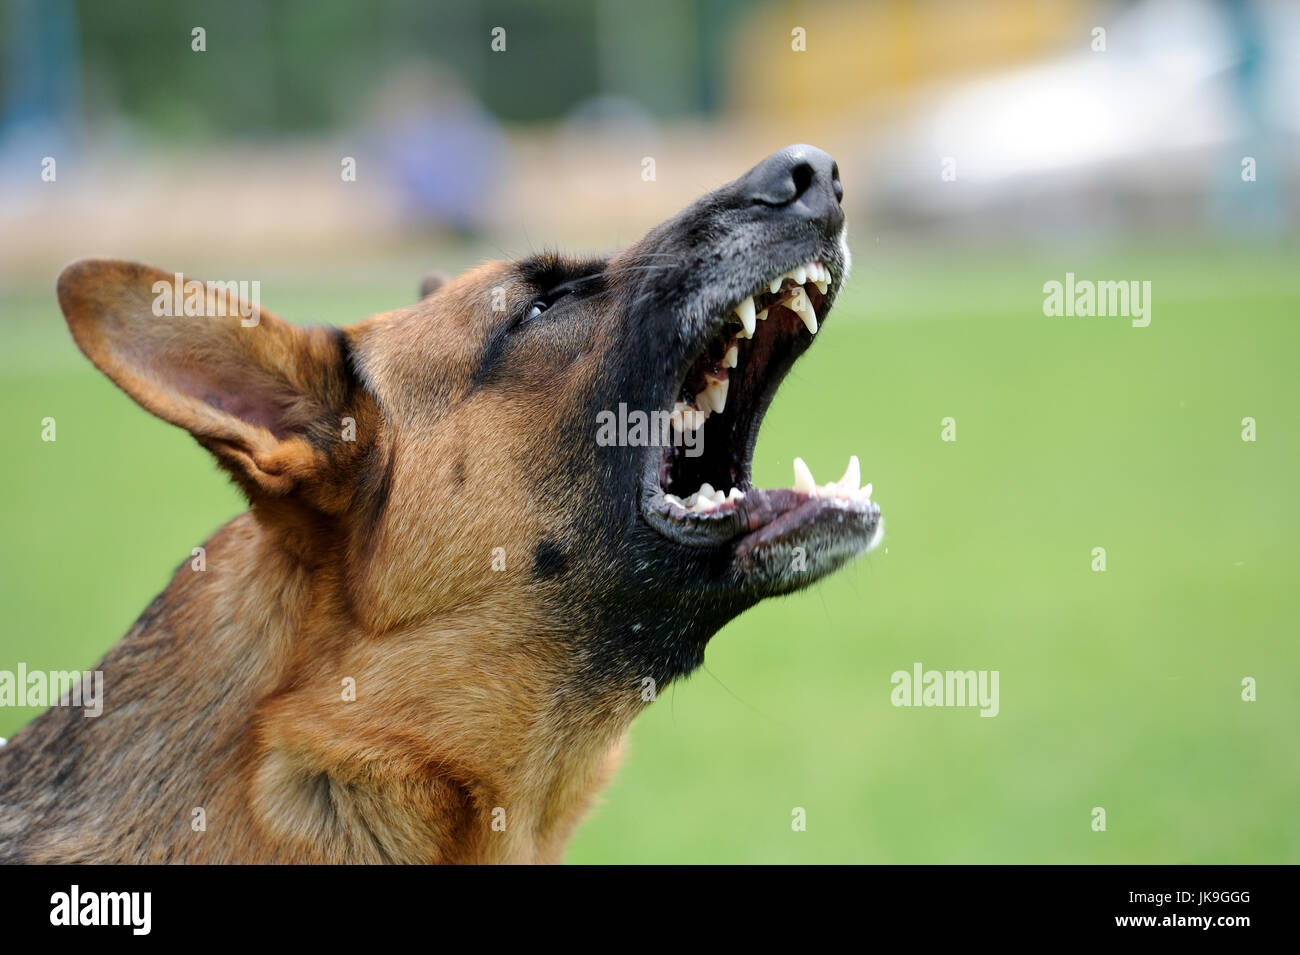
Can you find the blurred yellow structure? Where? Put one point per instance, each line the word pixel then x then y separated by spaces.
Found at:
pixel 864 59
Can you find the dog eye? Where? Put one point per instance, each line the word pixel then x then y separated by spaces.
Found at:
pixel 547 301
pixel 540 305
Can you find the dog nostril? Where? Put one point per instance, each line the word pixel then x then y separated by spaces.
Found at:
pixel 801 179
pixel 803 175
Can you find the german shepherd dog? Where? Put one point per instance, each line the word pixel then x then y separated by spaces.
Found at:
pixel 458 582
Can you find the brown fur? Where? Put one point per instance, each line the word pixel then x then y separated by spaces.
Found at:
pixel 458 709
pixel 388 466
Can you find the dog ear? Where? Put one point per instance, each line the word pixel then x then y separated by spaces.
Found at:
pixel 271 400
pixel 432 281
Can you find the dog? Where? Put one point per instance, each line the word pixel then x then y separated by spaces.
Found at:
pixel 484 531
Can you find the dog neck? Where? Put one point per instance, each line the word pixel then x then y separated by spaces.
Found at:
pixel 271 727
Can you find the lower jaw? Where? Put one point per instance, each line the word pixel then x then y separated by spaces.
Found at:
pixel 781 539
pixel 805 538
pixel 710 529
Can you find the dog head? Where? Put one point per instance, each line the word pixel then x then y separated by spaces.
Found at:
pixel 555 449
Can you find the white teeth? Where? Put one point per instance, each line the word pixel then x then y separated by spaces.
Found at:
pixel 704 500
pixel 813 272
pixel 714 396
pixel 717 392
pixel 845 489
pixel 852 475
pixel 732 356
pixel 745 312
pixel 803 479
pixel 808 272
pixel 803 308
pixel 686 418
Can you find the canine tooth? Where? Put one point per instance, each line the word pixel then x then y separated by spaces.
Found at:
pixel 745 312
pixel 735 494
pixel 852 475
pixel 732 356
pixel 803 478
pixel 803 308
pixel 774 286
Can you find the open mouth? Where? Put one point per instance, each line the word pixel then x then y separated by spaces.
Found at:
pixel 698 489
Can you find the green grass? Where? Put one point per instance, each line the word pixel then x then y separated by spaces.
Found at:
pixel 1118 689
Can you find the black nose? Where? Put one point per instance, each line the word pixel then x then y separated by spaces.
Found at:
pixel 802 179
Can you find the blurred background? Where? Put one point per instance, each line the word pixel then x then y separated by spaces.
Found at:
pixel 335 151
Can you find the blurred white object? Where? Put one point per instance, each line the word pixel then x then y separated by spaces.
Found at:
pixel 1153 112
